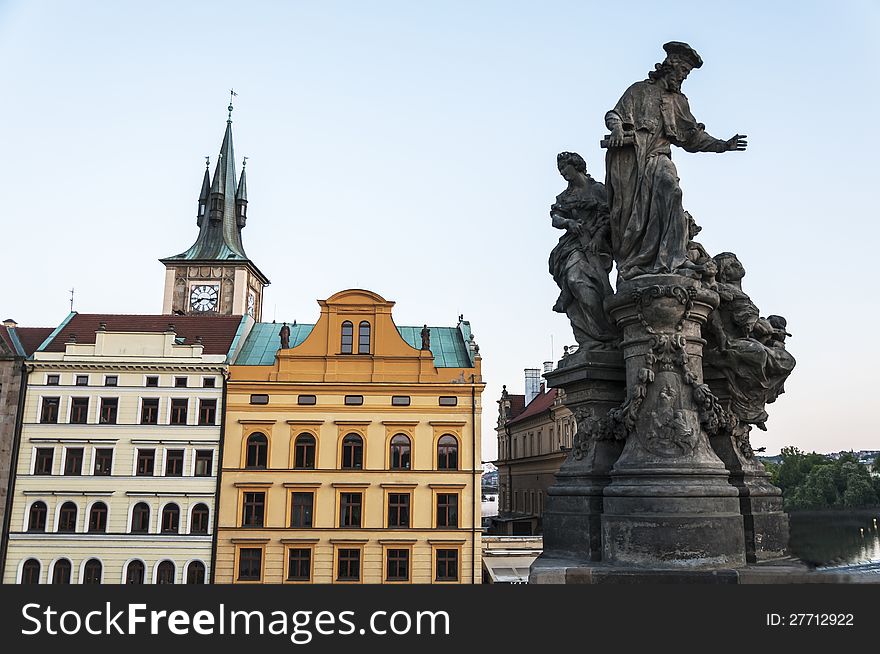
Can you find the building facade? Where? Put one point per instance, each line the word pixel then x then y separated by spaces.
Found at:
pixel 118 457
pixel 352 456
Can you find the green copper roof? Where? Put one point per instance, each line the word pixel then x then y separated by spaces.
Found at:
pixel 447 344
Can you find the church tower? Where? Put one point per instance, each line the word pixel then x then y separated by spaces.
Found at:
pixel 215 276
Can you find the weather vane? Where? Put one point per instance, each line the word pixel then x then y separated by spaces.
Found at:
pixel 244 162
pixel 207 162
pixel 232 94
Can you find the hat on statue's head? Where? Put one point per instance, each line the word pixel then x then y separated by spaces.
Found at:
pixel 683 51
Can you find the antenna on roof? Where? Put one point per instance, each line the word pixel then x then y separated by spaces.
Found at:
pixel 71 300
pixel 551 347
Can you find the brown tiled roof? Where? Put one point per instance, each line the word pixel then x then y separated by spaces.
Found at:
pixel 217 332
pixel 32 337
pixel 517 405
pixel 539 404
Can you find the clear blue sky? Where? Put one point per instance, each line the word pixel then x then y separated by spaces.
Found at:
pixel 409 148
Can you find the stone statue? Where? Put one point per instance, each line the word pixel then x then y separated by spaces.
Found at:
pixel 698 263
pixel 581 261
pixel 747 349
pixel 285 336
pixel 426 338
pixel 649 229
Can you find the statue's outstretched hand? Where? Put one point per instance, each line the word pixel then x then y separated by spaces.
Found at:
pixel 737 142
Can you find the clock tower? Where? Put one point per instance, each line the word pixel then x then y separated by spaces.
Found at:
pixel 215 276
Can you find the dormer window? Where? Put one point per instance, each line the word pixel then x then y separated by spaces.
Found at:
pixel 364 338
pixel 242 209
pixel 201 208
pixel 347 337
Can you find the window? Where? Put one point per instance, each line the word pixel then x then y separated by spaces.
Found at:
pixel 347 337
pixel 67 518
pixel 400 400
pixel 109 406
pixel 37 517
pixel 209 382
pixel 49 411
pixel 199 521
pixel 165 573
pixel 447 565
pixel 400 452
pixel 448 400
pixel 53 380
pixel 111 380
pixel 398 509
pixel 103 460
pixel 250 560
pixel 98 518
pixel 306 400
pixel 92 572
pixel 43 460
pixel 348 565
pixel 140 518
pixel 145 462
pixel 257 451
pixel 73 461
pixel 61 572
pixel 82 380
pixel 354 400
pixel 79 410
pixel 152 382
pixel 301 509
pixel 150 411
pixel 397 565
pixel 364 338
pixel 253 509
pixel 207 412
pixel 178 411
pixel 299 564
pixel 134 573
pixel 174 463
pixel 204 463
pixel 350 509
pixel 170 519
pixel 352 452
pixel 259 399
pixel 195 573
pixel 30 572
pixel 180 382
pixel 447 453
pixel 447 510
pixel 304 452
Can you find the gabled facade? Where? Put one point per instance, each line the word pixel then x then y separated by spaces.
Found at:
pixel 352 456
pixel 118 457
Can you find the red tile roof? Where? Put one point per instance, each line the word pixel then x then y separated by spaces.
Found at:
pixel 539 404
pixel 32 337
pixel 517 405
pixel 217 332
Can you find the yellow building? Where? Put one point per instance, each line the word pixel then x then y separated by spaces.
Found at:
pixel 352 456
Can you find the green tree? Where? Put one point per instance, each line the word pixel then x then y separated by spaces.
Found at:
pixel 859 492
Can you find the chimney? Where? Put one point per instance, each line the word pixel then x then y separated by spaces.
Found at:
pixel 548 366
pixel 9 322
pixel 533 383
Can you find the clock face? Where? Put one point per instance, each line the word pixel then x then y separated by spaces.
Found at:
pixel 204 297
pixel 251 303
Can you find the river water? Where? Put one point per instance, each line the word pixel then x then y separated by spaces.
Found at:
pixel 837 540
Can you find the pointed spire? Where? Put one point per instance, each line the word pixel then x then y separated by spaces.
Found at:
pixel 203 195
pixel 241 197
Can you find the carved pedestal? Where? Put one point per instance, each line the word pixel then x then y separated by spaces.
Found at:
pixel 594 383
pixel 669 502
pixel 765 523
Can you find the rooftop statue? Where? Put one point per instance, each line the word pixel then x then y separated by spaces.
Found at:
pixel 649 228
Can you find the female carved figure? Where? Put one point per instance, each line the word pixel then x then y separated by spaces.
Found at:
pixel 581 261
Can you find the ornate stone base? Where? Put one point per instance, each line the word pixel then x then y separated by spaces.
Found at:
pixel 594 383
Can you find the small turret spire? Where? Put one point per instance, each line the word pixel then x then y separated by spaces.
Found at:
pixel 205 193
pixel 241 196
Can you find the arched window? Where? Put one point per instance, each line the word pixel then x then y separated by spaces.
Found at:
pixel 199 522
pixel 61 572
pixel 170 519
pixel 401 452
pixel 37 517
pixel 195 573
pixel 165 573
pixel 98 517
pixel 134 573
pixel 304 452
pixel 140 518
pixel 92 572
pixel 30 572
pixel 352 451
pixel 364 338
pixel 447 453
pixel 67 517
pixel 257 451
pixel 347 337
